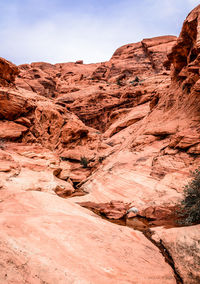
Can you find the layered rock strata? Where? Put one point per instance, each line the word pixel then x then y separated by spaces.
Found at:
pixel 108 136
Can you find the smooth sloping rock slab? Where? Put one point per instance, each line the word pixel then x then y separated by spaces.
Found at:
pixel 46 239
pixel 132 117
pixel 30 168
pixel 126 177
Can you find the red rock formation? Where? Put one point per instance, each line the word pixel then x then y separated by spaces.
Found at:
pixel 122 130
pixel 46 239
pixel 142 58
pixel 54 80
pixel 114 210
pixel 8 71
pixel 183 245
pixel 85 88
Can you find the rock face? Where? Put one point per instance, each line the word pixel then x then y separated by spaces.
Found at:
pixel 108 137
pixel 183 245
pixel 142 58
pixel 42 243
pixel 88 90
pixel 114 210
pixel 8 72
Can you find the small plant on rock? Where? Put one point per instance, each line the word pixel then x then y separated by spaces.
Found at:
pixel 84 162
pixel 101 158
pixel 190 206
pixel 135 82
pixel 63 158
pixel 137 79
pixel 119 83
pixel 2 144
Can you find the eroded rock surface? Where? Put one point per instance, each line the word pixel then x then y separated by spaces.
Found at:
pixel 183 245
pixel 8 72
pixel 106 136
pixel 43 243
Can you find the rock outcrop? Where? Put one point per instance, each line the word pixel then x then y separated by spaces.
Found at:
pixel 8 72
pixel 94 91
pixel 183 245
pixel 108 137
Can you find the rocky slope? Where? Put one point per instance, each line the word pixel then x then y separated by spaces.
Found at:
pixel 105 136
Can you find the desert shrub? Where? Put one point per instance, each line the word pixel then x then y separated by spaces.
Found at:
pixel 63 158
pixel 189 210
pixel 2 144
pixel 84 162
pixel 135 82
pixel 101 158
pixel 137 79
pixel 119 83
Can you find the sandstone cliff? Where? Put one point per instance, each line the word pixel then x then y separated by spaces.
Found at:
pixel 104 136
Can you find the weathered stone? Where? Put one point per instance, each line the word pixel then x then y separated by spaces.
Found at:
pixel 184 248
pixel 8 72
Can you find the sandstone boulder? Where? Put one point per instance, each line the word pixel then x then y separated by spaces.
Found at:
pixel 8 72
pixel 183 245
pixel 44 237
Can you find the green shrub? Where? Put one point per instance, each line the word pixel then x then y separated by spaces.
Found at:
pixel 2 144
pixel 137 79
pixel 119 82
pixel 135 82
pixel 63 158
pixel 84 162
pixel 190 206
pixel 101 158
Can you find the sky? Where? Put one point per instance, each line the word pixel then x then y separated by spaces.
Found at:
pixel 89 30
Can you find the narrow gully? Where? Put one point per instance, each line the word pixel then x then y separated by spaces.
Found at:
pixel 166 254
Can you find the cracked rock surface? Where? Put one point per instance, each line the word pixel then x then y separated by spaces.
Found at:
pixel 108 136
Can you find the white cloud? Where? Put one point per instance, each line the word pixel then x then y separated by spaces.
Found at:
pixel 194 2
pixel 68 36
pixel 64 38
